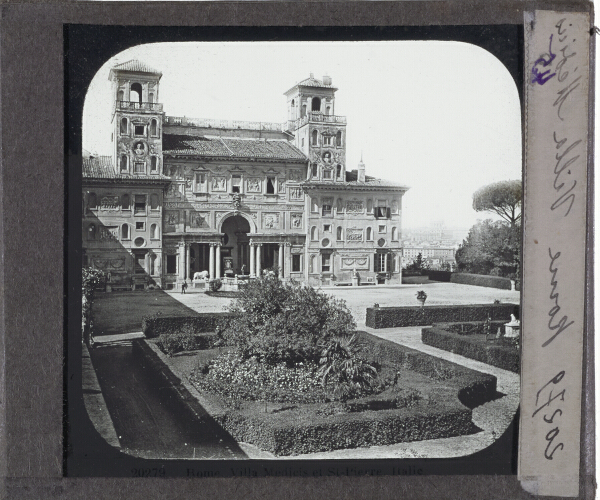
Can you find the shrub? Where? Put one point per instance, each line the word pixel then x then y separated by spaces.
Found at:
pixel 277 322
pixel 215 285
pixel 343 371
pixel 172 344
pixel 154 326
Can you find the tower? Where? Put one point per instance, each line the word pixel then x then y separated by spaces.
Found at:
pixel 137 119
pixel 318 132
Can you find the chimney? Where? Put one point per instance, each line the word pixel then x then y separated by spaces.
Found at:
pixel 327 80
pixel 312 75
pixel 361 171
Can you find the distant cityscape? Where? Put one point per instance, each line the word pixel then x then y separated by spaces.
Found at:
pixel 436 243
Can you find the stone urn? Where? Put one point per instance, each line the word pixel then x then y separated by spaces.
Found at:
pixel 422 297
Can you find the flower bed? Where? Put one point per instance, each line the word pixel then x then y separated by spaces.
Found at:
pixel 393 317
pixel 467 341
pixel 432 399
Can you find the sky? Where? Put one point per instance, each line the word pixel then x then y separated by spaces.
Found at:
pixel 440 117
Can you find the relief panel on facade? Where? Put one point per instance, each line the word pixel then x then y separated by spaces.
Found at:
pixel 296 221
pixel 253 186
pixel 355 262
pixel 355 207
pixel 171 217
pixel 296 193
pixel 281 185
pixel 173 191
pixel 270 220
pixel 199 220
pixel 107 264
pixel 219 184
pixel 110 203
pixel 295 176
pixel 108 233
pixel 354 234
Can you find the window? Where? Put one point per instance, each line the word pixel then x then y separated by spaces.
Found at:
pixel 327 228
pixel 236 182
pixel 382 229
pixel 339 171
pixel 139 168
pixel 314 235
pixel 140 130
pixel 154 164
pixel 140 226
pixel 382 212
pixel 394 234
pixel 327 173
pixel 124 165
pixel 369 234
pixel 125 232
pixel 338 139
pixel 340 235
pixel 316 104
pixel 327 211
pixel 153 232
pixel 296 259
pixel 302 142
pixel 135 94
pixel 200 183
pixel 91 234
pixel 315 138
pixel 150 97
pixel 314 170
pixel 171 264
pixel 154 127
pixel 328 110
pixel 154 201
pixel 326 262
pixel 123 126
pixel 121 96
pixel 270 185
pixel 92 202
pixel 313 263
pixel 303 111
pixel 380 261
pixel 125 203
pixel 369 206
pixel 326 140
pixel 140 204
pixel 315 205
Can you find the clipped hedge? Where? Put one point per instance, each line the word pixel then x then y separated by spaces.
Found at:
pixel 443 276
pixel 394 317
pixel 481 280
pixel 153 326
pixel 307 428
pixel 474 346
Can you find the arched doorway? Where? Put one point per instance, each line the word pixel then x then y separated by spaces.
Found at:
pixel 235 250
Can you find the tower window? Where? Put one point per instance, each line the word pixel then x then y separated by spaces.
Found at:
pixel 154 201
pixel 339 171
pixel 326 140
pixel 302 142
pixel 316 104
pixel 394 234
pixel 140 204
pixel 296 263
pixel 135 94
pixel 154 164
pixel 139 168
pixel 326 262
pixel 326 208
pixel 124 166
pixel 315 205
pixel 140 130
pixel 140 226
pixel 92 203
pixel 338 139
pixel 153 232
pixel 315 170
pixel 303 111
pixel 153 126
pixel 314 236
pixel 121 96
pixel 328 110
pixel 150 97
pixel 91 232
pixel 270 185
pixel 327 173
pixel 339 233
pixel 369 234
pixel 315 138
pixel 200 183
pixel 123 126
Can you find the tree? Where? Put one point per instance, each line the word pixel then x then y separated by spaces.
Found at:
pixel 418 264
pixel 502 198
pixel 492 248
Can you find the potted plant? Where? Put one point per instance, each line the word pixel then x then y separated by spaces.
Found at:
pixel 421 297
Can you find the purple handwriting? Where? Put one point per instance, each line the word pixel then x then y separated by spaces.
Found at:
pixel 544 61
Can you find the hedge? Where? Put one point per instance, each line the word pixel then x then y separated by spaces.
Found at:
pixel 439 275
pixel 481 280
pixel 473 346
pixel 153 326
pixel 296 429
pixel 394 317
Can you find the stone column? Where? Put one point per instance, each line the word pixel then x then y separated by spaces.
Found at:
pixel 218 263
pixel 211 265
pixel 181 261
pixel 252 259
pixel 187 261
pixel 385 262
pixel 258 257
pixel 280 261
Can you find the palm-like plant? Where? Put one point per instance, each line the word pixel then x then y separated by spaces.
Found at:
pixel 341 367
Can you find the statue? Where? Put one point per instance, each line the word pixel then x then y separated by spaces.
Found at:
pixel 139 149
pixel 237 201
pixel 200 275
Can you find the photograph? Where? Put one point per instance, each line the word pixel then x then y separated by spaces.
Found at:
pixel 301 250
